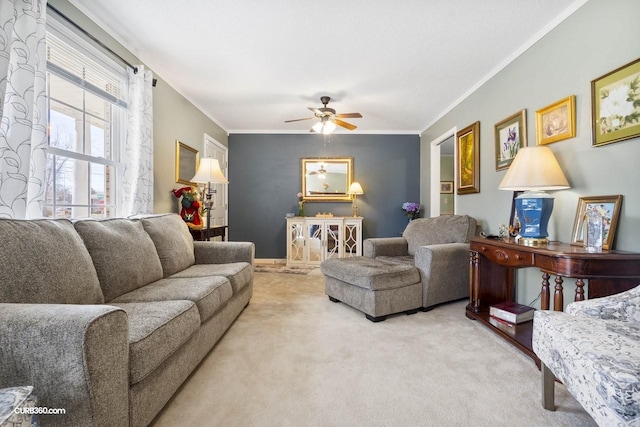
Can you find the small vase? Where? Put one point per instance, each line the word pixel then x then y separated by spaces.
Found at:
pixel 300 209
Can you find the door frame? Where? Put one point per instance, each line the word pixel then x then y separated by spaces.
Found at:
pixel 208 139
pixel 434 192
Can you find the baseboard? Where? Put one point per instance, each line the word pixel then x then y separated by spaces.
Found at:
pixel 270 260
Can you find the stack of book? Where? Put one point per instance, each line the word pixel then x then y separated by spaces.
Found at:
pixel 508 314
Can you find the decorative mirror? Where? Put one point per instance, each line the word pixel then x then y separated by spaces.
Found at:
pixel 326 179
pixel 187 159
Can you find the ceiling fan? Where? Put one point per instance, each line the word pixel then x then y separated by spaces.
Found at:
pixel 321 172
pixel 328 118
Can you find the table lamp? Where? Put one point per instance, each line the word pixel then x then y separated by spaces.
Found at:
pixel 208 173
pixel 534 170
pixel 355 189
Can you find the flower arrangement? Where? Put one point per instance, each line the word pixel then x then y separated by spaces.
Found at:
pixel 300 205
pixel 411 209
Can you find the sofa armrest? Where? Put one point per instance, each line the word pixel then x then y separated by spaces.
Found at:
pixel 385 246
pixel 224 252
pixel 621 306
pixel 76 357
pixel 444 270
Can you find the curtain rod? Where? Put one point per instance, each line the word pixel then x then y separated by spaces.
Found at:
pixel 92 37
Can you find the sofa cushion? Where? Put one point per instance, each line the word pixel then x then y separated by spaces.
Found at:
pixel 239 274
pixel 438 230
pixel 123 254
pixel 45 262
pixel 156 330
pixel 208 293
pixel 173 242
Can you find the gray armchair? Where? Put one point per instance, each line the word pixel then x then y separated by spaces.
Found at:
pixel 439 248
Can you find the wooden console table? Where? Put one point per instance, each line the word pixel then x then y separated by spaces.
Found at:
pixel 216 230
pixel 492 278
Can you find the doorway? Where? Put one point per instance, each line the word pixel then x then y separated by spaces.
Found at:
pixel 443 155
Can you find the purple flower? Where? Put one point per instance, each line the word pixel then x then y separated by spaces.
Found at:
pixel 411 207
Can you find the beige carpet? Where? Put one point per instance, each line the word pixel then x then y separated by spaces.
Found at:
pixel 293 358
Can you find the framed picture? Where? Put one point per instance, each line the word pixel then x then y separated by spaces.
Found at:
pixel 608 207
pixel 615 105
pixel 468 159
pixel 446 187
pixel 187 161
pixel 557 121
pixel 511 135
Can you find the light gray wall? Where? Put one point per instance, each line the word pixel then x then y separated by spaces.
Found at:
pixel 598 38
pixel 175 117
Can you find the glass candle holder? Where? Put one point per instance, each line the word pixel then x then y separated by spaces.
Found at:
pixel 594 224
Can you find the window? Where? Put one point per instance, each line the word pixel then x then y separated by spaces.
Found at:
pixel 86 117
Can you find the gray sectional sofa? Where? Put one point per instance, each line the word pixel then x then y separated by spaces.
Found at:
pixel 106 319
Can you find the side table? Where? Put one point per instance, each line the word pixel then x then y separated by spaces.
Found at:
pixel 216 230
pixel 492 278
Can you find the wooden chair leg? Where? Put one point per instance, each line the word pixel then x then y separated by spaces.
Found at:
pixel 548 388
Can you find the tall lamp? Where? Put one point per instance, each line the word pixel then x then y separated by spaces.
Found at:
pixel 208 173
pixel 355 188
pixel 534 170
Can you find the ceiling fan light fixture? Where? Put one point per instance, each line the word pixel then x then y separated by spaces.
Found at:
pixel 317 127
pixel 328 127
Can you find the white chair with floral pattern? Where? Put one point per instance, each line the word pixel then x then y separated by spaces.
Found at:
pixel 594 349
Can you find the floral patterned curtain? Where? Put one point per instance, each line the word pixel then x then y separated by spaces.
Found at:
pixel 137 189
pixel 23 108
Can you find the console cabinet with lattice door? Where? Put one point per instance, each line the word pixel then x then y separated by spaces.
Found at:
pixel 311 240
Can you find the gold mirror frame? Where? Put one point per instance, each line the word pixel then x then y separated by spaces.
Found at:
pixel 187 160
pixel 333 186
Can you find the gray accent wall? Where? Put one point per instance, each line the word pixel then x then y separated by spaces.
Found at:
pixel 598 38
pixel 264 179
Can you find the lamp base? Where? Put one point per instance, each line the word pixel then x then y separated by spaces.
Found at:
pixel 532 241
pixel 534 210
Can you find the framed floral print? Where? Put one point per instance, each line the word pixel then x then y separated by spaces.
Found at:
pixel 468 159
pixel 608 207
pixel 615 105
pixel 557 121
pixel 511 135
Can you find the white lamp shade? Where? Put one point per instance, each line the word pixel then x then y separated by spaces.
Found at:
pixel 209 171
pixel 534 168
pixel 324 127
pixel 328 127
pixel 355 188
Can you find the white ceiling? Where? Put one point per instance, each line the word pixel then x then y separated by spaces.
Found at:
pixel 250 65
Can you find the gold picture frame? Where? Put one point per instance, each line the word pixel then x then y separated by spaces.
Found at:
pixel 557 121
pixel 615 105
pixel 609 208
pixel 468 159
pixel 326 179
pixel 510 137
pixel 187 160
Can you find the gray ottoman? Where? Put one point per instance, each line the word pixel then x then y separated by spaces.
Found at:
pixel 375 287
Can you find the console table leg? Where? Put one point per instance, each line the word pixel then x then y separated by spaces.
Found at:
pixel 545 294
pixel 579 290
pixel 558 297
pixel 473 278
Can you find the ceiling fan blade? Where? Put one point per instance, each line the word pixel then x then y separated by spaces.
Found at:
pixel 298 120
pixel 315 111
pixel 349 116
pixel 344 124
